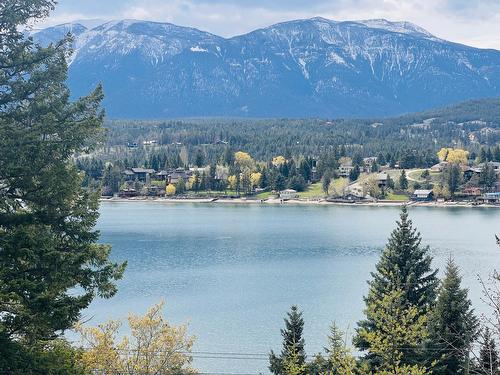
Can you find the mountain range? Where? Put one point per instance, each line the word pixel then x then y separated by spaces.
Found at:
pixel 303 68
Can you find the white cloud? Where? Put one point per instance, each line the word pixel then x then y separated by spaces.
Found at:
pixel 474 22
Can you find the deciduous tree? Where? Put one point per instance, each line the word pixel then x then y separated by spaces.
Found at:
pixel 153 347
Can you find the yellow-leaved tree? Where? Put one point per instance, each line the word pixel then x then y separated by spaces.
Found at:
pixel 243 160
pixel 453 155
pixel 232 181
pixel 255 179
pixel 278 161
pixel 154 347
pixel 170 190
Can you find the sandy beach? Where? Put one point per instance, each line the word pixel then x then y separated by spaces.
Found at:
pixel 310 202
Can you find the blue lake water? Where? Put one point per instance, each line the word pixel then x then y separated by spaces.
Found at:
pixel 232 271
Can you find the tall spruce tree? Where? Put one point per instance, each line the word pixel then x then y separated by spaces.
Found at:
pixel 293 344
pixel 488 363
pixel 404 266
pixel 452 326
pixel 51 266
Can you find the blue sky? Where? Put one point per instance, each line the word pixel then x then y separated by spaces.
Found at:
pixel 473 22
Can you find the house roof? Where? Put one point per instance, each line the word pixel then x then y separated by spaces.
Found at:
pixel 142 170
pixel 288 191
pixel 382 176
pixel 422 192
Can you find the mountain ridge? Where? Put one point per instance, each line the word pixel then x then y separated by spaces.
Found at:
pixel 300 68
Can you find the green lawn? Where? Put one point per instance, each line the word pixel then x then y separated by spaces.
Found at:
pixel 396 197
pixel 416 175
pixel 265 195
pixel 313 191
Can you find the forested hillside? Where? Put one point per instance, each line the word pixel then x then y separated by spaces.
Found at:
pixel 470 125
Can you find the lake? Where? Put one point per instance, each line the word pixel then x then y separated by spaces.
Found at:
pixel 232 271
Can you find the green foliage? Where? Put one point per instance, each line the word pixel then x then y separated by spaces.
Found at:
pixel 403 180
pixel 56 357
pixel 339 360
pixel 399 328
pixel 488 362
pixel 48 244
pixel 452 326
pixel 404 266
pixel 292 358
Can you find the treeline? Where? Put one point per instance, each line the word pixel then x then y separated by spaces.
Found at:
pixel 467 125
pixel 415 324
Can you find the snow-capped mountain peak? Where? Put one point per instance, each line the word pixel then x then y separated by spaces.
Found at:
pixel 403 27
pixel 312 67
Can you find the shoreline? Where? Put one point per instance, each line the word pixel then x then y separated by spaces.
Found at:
pixel 319 202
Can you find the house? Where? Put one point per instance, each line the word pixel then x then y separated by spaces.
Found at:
pixel 163 175
pixel 200 170
pixel 149 143
pixel 382 180
pixel 129 175
pixel 132 145
pixel 472 191
pixel 439 166
pixel 422 196
pixel 369 162
pixel 142 174
pixel 490 197
pixel 288 194
pixel 494 164
pixel 179 173
pixel 470 172
pixel 128 193
pixel 345 170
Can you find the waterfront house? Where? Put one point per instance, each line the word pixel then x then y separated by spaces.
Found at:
pixel 382 180
pixel 129 175
pixel 163 175
pixel 490 197
pixel 472 191
pixel 288 194
pixel 422 196
pixel 179 173
pixel 143 174
pixel 345 170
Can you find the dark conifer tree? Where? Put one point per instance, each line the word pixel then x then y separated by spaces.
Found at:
pixel 293 342
pixel 452 326
pixel 403 181
pixel 488 363
pixel 404 265
pixel 48 245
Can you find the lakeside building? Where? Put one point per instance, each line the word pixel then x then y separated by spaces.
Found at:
pixel 140 174
pixel 490 198
pixel 382 180
pixel 288 194
pixel 345 170
pixel 422 195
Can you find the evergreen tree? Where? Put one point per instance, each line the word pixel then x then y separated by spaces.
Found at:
pixel 48 245
pixel 404 265
pixel 339 359
pixel 354 174
pixel 403 181
pixel 452 326
pixel 293 345
pixel 488 355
